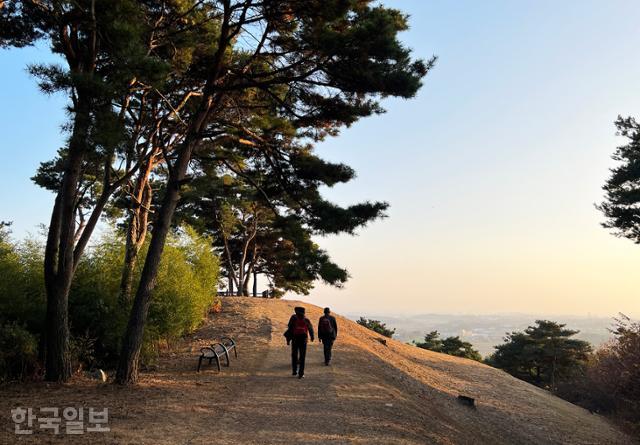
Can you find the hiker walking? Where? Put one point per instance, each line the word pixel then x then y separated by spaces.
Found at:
pixel 327 333
pixel 299 330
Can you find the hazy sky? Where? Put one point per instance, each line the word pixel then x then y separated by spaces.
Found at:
pixel 492 172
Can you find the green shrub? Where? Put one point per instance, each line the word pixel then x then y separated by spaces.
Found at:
pixel 94 311
pixel 187 283
pixel 18 352
pixel 186 289
pixel 22 294
pixel 82 350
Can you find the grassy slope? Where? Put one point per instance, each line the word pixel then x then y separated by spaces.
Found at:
pixel 373 393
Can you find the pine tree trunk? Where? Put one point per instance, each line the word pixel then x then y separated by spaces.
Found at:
pixel 130 260
pixel 57 360
pixel 127 371
pixel 136 232
pixel 242 288
pixel 59 266
pixel 255 284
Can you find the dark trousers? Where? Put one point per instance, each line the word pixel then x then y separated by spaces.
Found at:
pixel 327 344
pixel 298 353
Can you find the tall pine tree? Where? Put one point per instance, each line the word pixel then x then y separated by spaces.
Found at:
pixel 324 64
pixel 104 46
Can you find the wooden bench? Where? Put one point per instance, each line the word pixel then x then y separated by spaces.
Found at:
pixel 212 353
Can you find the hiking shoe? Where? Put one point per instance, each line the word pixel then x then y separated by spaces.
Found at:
pixel 301 376
pixel 294 373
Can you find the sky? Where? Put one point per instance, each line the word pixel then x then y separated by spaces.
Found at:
pixel 491 172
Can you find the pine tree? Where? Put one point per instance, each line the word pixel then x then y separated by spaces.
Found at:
pixel 263 215
pixel 623 186
pixel 543 354
pixel 450 345
pixel 376 326
pixel 323 64
pixel 432 342
pixel 103 45
pixel 318 66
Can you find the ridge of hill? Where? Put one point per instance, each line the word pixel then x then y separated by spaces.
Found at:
pixel 377 391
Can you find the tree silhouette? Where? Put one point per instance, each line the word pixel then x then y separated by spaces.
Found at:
pixel 622 189
pixel 542 354
pixel 449 345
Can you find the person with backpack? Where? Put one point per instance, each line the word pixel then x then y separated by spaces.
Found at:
pixel 327 333
pixel 299 330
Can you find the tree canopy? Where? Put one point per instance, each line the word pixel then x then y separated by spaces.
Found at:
pixel 622 189
pixel 542 354
pixel 263 217
pixel 167 91
pixel 376 326
pixel 449 345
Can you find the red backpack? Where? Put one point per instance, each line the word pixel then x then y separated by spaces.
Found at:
pixel 300 326
pixel 325 327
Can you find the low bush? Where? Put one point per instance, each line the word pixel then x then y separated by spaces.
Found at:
pixel 611 382
pixel 186 289
pixel 22 295
pixel 18 352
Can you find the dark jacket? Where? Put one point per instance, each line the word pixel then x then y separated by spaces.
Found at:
pixel 292 323
pixel 332 320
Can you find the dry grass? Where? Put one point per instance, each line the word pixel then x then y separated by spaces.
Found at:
pixel 393 394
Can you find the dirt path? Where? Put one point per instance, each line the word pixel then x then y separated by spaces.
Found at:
pixel 372 394
pixel 342 403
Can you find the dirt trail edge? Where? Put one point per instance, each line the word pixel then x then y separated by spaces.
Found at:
pixel 375 392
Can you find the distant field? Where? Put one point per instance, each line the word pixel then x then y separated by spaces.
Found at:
pixel 486 331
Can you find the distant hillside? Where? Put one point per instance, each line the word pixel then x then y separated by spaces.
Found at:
pixel 377 391
pixel 486 331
